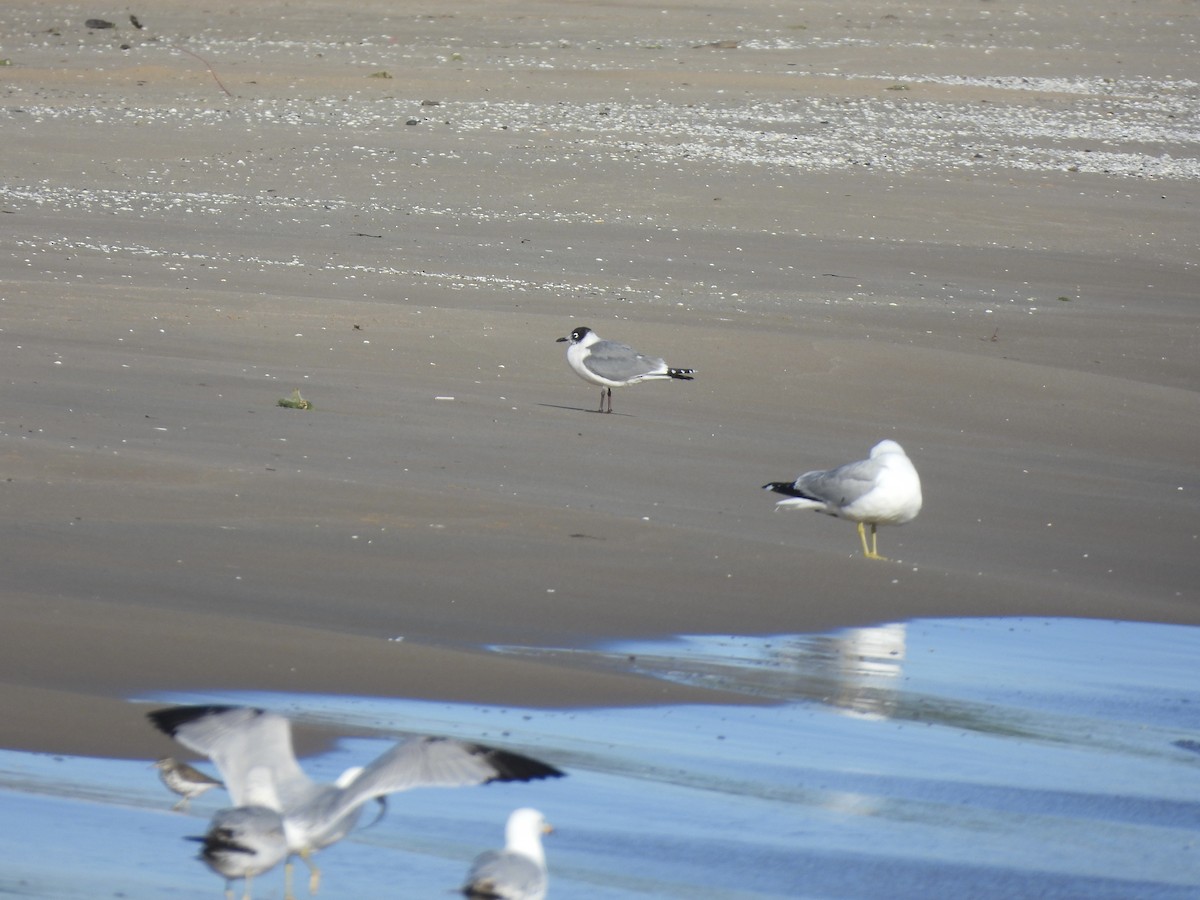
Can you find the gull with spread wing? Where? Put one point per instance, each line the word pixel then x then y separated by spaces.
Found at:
pixel 252 747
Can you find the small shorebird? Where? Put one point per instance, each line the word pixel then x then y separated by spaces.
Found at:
pixel 252 749
pixel 186 781
pixel 518 872
pixel 610 364
pixel 882 490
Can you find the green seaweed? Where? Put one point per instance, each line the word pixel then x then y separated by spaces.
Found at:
pixel 295 401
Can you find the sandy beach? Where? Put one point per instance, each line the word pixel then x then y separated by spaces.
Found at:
pixel 968 227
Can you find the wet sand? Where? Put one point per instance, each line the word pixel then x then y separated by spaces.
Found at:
pixel 971 230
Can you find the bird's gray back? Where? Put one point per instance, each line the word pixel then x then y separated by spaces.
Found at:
pixel 506 876
pixel 254 819
pixel 843 485
pixel 620 362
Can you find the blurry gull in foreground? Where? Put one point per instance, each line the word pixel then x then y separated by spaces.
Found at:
pixel 252 749
pixel 243 842
pixel 518 872
pixel 881 490
pixel 610 364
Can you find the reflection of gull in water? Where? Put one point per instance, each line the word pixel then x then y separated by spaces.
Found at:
pixel 186 781
pixel 865 666
pixel 855 670
pixel 518 872
pixel 881 490
pixel 252 749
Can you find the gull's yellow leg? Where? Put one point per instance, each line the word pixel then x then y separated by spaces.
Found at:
pixel 873 552
pixel 288 894
pixel 314 874
pixel 249 881
pixel 862 536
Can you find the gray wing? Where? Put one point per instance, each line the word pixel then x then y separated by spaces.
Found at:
pixel 843 485
pixel 238 740
pixel 620 362
pixel 433 762
pixel 502 875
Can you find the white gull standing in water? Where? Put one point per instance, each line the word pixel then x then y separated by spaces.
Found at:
pixel 518 872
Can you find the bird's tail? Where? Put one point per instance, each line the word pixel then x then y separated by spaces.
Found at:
pixel 789 487
pixel 785 487
pixel 681 374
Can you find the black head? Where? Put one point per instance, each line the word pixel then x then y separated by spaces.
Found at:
pixel 576 336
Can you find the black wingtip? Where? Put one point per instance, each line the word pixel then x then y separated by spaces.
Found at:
pixel 516 767
pixel 172 718
pixel 682 374
pixel 783 487
pixel 480 892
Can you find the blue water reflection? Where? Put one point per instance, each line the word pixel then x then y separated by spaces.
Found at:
pixel 949 758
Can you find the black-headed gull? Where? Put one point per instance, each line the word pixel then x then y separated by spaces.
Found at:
pixel 611 364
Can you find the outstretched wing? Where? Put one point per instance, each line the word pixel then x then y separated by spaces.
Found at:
pixel 240 740
pixel 433 762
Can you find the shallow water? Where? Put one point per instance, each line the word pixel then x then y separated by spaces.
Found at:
pixel 980 758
